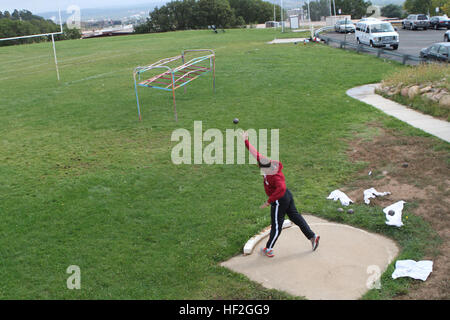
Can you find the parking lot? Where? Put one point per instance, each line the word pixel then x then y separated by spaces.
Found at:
pixel 411 42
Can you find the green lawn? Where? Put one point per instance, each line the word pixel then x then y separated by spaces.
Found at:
pixel 83 182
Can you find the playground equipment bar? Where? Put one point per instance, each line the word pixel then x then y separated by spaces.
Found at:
pixel 175 77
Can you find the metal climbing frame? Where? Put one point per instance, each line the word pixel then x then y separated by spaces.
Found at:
pixel 175 77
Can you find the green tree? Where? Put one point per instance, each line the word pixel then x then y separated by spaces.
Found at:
pixel 418 6
pixel 255 11
pixel 246 9
pixel 392 11
pixel 319 9
pixel 446 9
pixel 240 22
pixel 214 12
pixel 265 11
pixel 69 33
pixel 27 15
pixel 183 13
pixel 15 15
pixel 194 14
pixel 355 8
pixel 443 5
pixel 161 20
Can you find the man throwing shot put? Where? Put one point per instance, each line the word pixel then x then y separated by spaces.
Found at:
pixel 280 200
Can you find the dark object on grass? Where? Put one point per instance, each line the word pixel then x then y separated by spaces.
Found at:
pixel 391 212
pixel 405 165
pixel 235 120
pixel 350 211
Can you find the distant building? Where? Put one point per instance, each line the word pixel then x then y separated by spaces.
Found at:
pixel 299 12
pixel 111 31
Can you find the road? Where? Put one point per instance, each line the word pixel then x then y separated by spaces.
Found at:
pixel 410 41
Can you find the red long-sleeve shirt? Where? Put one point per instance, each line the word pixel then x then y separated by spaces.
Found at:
pixel 274 184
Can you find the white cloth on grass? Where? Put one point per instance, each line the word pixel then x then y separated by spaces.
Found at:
pixel 396 219
pixel 372 193
pixel 339 195
pixel 410 268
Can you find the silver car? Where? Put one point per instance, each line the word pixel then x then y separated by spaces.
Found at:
pixel 415 21
pixel 344 25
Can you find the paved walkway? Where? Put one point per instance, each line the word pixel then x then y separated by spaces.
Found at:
pixel 433 126
pixel 287 40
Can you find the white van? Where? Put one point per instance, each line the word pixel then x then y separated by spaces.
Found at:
pixel 377 33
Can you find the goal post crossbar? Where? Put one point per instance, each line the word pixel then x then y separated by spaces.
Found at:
pixel 32 36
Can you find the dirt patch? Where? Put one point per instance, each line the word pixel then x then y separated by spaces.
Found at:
pixel 413 170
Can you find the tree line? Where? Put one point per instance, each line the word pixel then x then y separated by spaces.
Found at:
pixel 427 6
pixel 416 6
pixel 199 14
pixel 24 23
pixel 321 8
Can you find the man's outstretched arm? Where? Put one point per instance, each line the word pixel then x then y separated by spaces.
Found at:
pixel 259 157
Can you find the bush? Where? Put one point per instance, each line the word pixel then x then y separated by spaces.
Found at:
pixel 430 81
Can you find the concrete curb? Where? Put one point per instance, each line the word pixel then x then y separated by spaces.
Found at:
pixel 433 126
pixel 250 245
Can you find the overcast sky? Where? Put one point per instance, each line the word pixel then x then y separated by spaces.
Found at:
pixel 37 6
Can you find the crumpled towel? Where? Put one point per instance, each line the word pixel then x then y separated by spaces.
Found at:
pixel 410 268
pixel 337 194
pixel 396 219
pixel 372 193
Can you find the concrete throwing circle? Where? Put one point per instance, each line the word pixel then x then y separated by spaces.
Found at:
pixel 348 262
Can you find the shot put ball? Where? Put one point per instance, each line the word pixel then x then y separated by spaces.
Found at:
pixel 235 120
pixel 391 212
pixel 350 211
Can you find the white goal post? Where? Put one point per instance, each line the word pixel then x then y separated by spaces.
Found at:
pixel 52 34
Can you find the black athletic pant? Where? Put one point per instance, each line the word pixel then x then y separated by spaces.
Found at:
pixel 285 205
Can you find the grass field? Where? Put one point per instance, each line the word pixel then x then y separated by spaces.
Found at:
pixel 83 182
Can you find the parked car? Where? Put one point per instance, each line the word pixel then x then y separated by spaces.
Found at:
pixel 437 51
pixel 447 36
pixel 438 22
pixel 377 34
pixel 344 25
pixel 415 21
